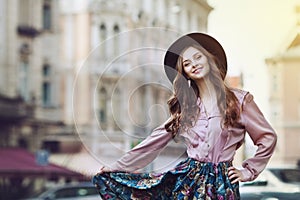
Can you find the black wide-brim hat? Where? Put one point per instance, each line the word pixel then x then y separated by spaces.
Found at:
pixel 204 40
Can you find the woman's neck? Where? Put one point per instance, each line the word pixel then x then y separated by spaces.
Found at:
pixel 206 88
pixel 207 95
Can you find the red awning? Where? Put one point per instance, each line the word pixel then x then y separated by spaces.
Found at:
pixel 16 161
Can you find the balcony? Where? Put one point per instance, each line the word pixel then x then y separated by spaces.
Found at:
pixel 14 109
pixel 27 31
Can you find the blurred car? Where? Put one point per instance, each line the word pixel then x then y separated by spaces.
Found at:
pixel 271 196
pixel 272 184
pixel 78 191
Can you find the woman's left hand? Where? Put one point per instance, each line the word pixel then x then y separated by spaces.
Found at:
pixel 235 175
pixel 104 169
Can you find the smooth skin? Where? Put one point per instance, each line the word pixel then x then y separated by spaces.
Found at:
pixel 195 64
pixel 235 175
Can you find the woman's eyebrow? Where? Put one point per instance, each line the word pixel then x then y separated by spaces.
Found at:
pixel 186 60
pixel 197 53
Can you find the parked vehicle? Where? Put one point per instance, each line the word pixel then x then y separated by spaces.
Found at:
pixel 271 196
pixel 79 191
pixel 273 183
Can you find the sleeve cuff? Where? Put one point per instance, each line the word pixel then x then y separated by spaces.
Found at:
pixel 247 175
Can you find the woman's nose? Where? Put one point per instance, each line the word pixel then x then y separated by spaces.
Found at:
pixel 194 64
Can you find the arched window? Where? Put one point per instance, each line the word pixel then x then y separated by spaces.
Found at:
pixel 116 45
pixel 103 35
pixel 103 32
pixel 102 106
pixel 117 107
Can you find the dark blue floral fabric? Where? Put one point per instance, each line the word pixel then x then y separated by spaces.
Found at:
pixel 189 180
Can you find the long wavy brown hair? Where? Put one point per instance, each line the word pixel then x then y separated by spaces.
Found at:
pixel 183 105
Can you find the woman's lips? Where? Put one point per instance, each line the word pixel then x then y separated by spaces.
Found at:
pixel 197 70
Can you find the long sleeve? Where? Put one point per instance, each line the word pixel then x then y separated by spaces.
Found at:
pixel 143 153
pixel 262 135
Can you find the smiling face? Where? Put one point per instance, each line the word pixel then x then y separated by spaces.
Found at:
pixel 195 63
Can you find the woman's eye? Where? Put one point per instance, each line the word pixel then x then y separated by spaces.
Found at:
pixel 186 64
pixel 198 57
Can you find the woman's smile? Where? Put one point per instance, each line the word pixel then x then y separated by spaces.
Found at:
pixel 197 70
pixel 195 63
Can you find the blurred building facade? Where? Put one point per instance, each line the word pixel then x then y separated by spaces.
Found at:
pixel 284 77
pixel 74 73
pixel 31 77
pixel 120 90
pixel 46 103
pixel 31 100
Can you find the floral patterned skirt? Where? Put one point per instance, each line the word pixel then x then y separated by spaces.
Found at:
pixel 190 179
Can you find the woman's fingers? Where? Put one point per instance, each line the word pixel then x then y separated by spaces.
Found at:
pixel 234 175
pixel 104 169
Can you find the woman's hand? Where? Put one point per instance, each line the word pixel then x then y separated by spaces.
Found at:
pixel 104 169
pixel 235 175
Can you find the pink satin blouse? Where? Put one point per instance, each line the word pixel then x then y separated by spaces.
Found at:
pixel 208 142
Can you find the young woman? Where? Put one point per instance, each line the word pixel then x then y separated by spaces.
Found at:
pixel 210 118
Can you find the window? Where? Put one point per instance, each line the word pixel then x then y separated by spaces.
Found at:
pixel 47 15
pixel 274 83
pixel 103 32
pixel 46 70
pixel 24 71
pixel 46 85
pixel 116 103
pixel 102 106
pixel 116 40
pixel 46 93
pixel 103 35
pixel 24 80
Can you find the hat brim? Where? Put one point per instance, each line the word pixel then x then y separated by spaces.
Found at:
pixel 206 41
